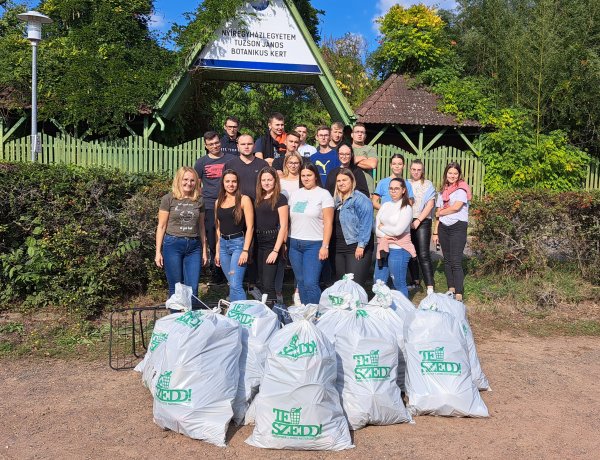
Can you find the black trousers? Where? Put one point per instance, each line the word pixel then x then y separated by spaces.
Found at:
pixel 347 263
pixel 211 240
pixel 267 272
pixel 421 239
pixel 453 239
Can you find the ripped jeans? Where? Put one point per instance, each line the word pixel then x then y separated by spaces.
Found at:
pixel 395 266
pixel 229 253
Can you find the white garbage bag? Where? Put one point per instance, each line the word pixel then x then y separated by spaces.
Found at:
pixel 333 296
pixel 298 406
pixel 403 307
pixel 387 313
pixel 181 298
pixel 258 324
pixel 441 302
pixel 438 377
pixel 199 376
pixel 368 352
pixel 149 367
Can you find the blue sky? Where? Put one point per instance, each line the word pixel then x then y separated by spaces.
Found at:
pixel 355 16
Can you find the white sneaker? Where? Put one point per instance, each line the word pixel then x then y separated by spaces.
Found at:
pixel 297 301
pixel 429 290
pixel 450 294
pixel 255 292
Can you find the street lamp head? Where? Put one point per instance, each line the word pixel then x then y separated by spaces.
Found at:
pixel 34 22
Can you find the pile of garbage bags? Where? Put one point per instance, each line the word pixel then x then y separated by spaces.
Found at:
pixel 337 366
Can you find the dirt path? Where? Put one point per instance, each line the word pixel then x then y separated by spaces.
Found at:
pixel 545 404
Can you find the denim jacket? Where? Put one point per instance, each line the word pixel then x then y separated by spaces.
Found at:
pixel 356 218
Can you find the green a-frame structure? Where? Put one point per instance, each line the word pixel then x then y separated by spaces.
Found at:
pixel 181 85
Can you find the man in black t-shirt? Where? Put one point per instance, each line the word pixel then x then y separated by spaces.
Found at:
pixel 247 166
pixel 272 145
pixel 210 171
pixel 229 139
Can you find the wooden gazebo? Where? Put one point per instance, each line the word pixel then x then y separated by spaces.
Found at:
pixel 401 113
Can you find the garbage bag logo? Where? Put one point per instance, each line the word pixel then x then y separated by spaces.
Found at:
pixel 432 362
pixel 236 312
pixel 156 339
pixel 368 368
pixel 295 350
pixel 336 300
pixel 171 396
pixel 191 319
pixel 287 425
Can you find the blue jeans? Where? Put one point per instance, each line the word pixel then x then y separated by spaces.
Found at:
pixel 396 266
pixel 304 258
pixel 229 253
pixel 182 259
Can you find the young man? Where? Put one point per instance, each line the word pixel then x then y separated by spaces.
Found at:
pixel 210 171
pixel 292 142
pixel 365 156
pixel 272 145
pixel 304 149
pixel 326 158
pixel 247 166
pixel 230 137
pixel 336 135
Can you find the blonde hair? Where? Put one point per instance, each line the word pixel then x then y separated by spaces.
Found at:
pixel 288 157
pixel 348 173
pixel 178 179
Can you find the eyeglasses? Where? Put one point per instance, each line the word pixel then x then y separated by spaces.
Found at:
pixel 293 163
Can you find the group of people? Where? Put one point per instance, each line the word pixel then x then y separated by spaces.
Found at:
pixel 247 208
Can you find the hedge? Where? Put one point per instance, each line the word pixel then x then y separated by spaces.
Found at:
pixel 75 238
pixel 527 231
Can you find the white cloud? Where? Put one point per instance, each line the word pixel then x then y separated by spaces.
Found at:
pixel 157 21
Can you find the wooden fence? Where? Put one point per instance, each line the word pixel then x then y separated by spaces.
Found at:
pixel 136 154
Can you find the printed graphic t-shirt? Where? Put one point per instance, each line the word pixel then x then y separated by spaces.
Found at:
pixel 183 215
pixel 306 213
pixel 210 171
pixel 325 162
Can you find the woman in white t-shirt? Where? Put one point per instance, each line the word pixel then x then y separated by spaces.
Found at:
pixel 453 216
pixel 311 224
pixel 290 178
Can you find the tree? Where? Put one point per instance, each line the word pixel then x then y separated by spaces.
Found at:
pixel 98 63
pixel 412 40
pixel 344 57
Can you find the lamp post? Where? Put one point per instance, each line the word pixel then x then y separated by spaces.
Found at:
pixel 34 22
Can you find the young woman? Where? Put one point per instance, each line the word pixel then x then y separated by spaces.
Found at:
pixel 420 232
pixel 290 178
pixel 392 228
pixel 234 217
pixel 382 193
pixel 180 235
pixel 272 214
pixel 311 221
pixel 453 214
pixel 346 157
pixel 352 224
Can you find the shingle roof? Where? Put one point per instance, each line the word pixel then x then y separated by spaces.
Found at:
pixel 395 102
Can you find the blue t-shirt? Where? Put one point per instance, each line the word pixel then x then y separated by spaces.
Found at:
pixel 383 190
pixel 325 162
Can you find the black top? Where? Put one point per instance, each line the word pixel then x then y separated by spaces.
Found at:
pixel 339 242
pixel 227 225
pixel 248 174
pixel 267 218
pixel 229 145
pixel 359 175
pixel 269 147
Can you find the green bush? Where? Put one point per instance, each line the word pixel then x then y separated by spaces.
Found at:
pixel 525 232
pixel 75 238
